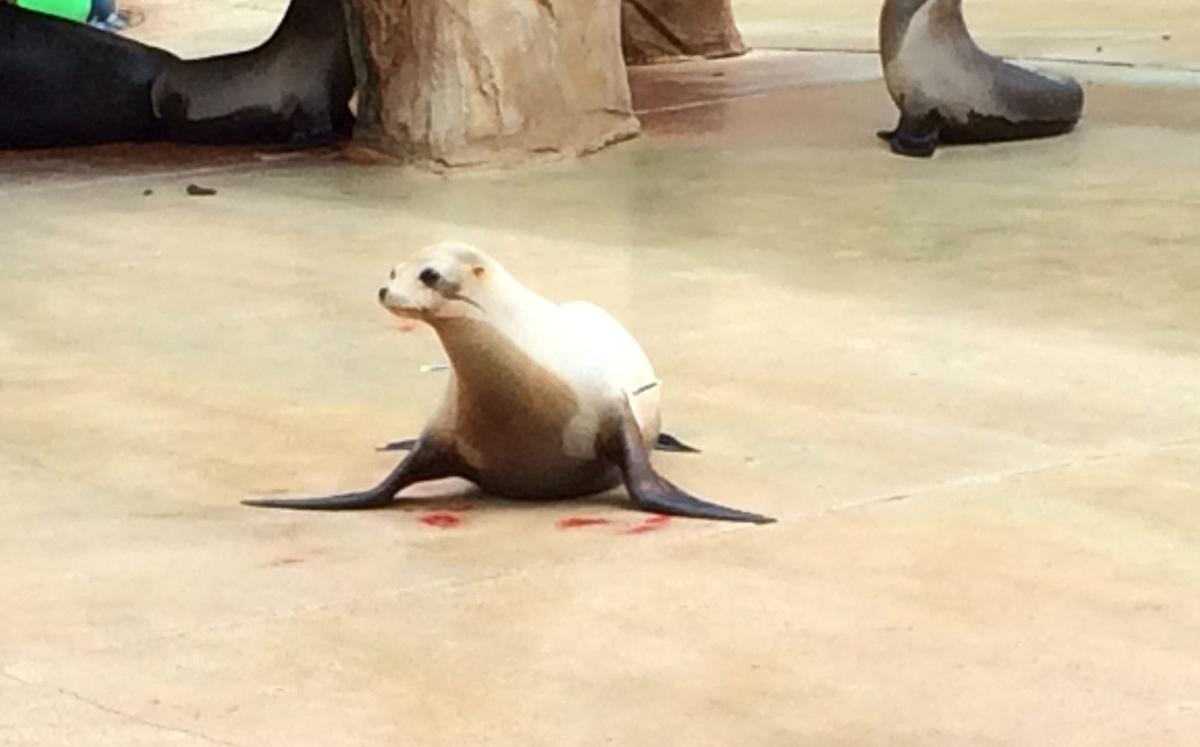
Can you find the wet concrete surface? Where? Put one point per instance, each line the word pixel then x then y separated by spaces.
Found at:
pixel 967 387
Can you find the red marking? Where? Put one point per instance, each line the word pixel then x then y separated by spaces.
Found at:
pixel 581 521
pixel 653 524
pixel 442 519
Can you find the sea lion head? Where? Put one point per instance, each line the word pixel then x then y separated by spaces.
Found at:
pixel 445 281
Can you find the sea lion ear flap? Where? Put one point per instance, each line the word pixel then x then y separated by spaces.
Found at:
pixel 478 270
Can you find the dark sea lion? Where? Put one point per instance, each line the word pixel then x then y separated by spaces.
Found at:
pixel 949 90
pixel 544 401
pixel 293 88
pixel 63 83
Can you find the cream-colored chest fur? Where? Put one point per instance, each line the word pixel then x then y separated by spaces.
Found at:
pixel 938 66
pixel 532 383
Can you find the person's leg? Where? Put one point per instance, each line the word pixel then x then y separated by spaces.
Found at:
pixel 105 16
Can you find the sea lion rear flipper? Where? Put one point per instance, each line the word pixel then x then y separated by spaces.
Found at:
pixel 624 447
pixel 341 502
pixel 425 462
pixel 667 442
pixel 404 444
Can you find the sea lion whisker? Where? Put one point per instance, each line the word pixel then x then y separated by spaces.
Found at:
pixel 466 300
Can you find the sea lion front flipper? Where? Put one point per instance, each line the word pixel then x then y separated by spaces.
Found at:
pixel 624 446
pixel 914 136
pixel 667 442
pixel 425 462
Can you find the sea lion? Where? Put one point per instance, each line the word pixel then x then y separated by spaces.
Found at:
pixel 293 88
pixel 544 400
pixel 949 90
pixel 63 83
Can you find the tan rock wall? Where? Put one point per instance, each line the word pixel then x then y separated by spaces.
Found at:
pixel 462 82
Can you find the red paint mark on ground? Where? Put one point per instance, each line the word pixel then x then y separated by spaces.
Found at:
pixel 572 522
pixel 653 524
pixel 442 520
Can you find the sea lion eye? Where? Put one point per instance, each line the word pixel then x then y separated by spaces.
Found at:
pixel 430 277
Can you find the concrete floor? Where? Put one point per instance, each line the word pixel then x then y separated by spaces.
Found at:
pixel 968 388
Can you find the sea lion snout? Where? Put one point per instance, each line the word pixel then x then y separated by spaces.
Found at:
pixel 405 297
pixel 402 294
